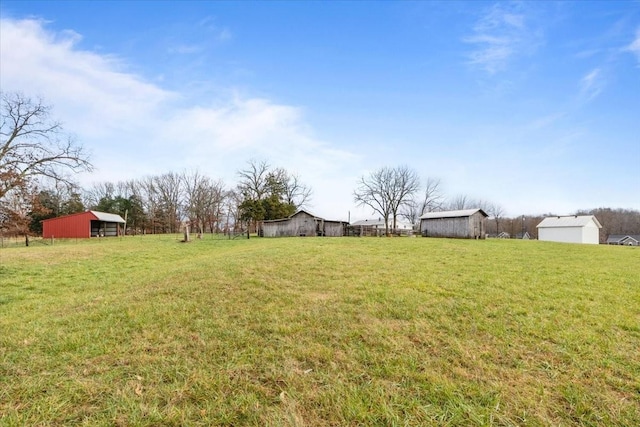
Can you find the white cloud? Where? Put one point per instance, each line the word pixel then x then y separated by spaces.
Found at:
pixel 592 84
pixel 85 88
pixel 135 128
pixel 500 35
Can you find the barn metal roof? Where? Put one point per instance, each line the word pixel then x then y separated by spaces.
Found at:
pixel 291 216
pixel 107 217
pixel 316 218
pixel 568 221
pixel 452 214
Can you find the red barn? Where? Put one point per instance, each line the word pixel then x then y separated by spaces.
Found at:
pixel 84 225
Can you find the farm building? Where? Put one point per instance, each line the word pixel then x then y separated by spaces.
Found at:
pixel 375 227
pixel 302 223
pixel 83 225
pixel 624 239
pixel 570 229
pixel 520 236
pixel 461 224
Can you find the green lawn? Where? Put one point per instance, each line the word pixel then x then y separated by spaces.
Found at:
pixel 319 331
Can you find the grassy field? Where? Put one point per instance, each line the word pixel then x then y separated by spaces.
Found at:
pixel 318 331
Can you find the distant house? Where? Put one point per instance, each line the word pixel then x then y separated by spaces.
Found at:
pixel 570 229
pixel 461 224
pixel 505 235
pixel 379 223
pixel 302 223
pixel 83 225
pixel 624 239
pixel 376 227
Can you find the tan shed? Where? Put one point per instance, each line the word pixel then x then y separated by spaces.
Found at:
pixel 302 223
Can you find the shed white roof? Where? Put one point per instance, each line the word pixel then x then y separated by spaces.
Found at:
pixel 107 217
pixel 452 214
pixel 568 221
pixel 380 222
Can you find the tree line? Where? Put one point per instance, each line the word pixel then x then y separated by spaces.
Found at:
pixel 164 203
pixel 38 159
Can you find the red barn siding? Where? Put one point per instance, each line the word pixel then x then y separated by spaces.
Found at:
pixel 71 226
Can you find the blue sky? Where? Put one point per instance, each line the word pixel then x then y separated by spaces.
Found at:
pixel 531 105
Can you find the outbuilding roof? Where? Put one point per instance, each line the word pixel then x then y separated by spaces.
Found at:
pixel 452 214
pixel 107 217
pixel 100 216
pixel 568 221
pixel 379 222
pixel 615 238
pixel 316 218
pixel 298 212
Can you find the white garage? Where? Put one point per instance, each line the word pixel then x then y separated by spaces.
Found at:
pixel 570 229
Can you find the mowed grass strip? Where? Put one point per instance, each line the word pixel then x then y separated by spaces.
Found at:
pixel 319 331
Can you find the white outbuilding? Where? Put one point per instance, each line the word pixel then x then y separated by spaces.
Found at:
pixel 570 229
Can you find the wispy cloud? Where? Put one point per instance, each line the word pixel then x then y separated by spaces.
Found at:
pixel 592 84
pixel 185 49
pixel 198 37
pixel 498 36
pixel 545 121
pixel 220 34
pixel 634 47
pixel 224 35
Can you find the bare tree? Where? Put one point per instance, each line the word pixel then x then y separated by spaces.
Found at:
pixel 169 189
pixel 98 192
pixel 204 201
pixel 432 200
pixel 386 190
pixel 150 203
pixel 404 184
pixel 496 212
pixel 32 145
pixel 215 208
pixel 460 202
pixel 372 192
pixel 232 201
pixel 295 192
pixel 253 180
pixel 195 189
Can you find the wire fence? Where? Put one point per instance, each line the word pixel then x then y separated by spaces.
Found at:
pixel 7 242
